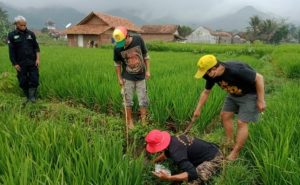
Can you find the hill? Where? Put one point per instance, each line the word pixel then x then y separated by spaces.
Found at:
pixel 37 17
pixel 238 20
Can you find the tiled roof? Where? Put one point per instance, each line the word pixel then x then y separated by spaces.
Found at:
pixel 87 29
pixel 111 21
pixel 159 29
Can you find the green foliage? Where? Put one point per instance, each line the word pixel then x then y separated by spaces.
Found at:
pixel 269 30
pixel 184 30
pixel 4 26
pixel 65 143
pixel 287 58
pixel 272 142
pixel 57 144
pixel 46 39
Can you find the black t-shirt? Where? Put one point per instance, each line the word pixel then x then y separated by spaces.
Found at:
pixel 132 59
pixel 22 47
pixel 188 153
pixel 238 79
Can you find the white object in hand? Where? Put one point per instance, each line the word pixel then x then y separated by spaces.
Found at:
pixel 160 167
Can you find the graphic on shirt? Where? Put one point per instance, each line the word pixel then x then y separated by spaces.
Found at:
pixel 230 89
pixel 134 60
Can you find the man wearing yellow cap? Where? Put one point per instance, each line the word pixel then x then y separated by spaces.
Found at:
pixel 132 68
pixel 245 89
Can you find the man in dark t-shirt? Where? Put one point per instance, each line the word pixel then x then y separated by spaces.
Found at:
pixel 197 159
pixel 245 89
pixel 133 69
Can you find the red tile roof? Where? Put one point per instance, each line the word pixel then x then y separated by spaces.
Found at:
pixel 171 29
pixel 111 21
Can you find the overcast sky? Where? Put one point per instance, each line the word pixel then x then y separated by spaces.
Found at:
pixel 185 9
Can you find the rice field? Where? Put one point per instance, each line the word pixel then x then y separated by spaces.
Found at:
pixel 75 133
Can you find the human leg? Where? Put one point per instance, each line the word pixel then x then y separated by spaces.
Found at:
pixel 33 82
pixel 207 169
pixel 143 99
pixel 129 87
pixel 241 137
pixel 247 112
pixel 23 80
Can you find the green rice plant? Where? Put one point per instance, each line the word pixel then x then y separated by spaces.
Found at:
pixel 272 142
pixel 39 144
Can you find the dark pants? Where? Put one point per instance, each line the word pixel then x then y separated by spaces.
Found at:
pixel 28 77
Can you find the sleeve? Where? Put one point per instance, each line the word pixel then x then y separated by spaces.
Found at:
pixel 11 49
pixel 144 49
pixel 188 167
pixel 117 57
pixel 35 43
pixel 209 83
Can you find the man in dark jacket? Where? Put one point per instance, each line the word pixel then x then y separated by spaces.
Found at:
pixel 24 53
pixel 197 159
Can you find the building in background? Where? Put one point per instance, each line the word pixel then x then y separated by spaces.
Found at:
pixel 97 28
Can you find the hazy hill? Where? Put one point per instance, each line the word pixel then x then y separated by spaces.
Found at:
pixel 238 20
pixel 37 17
pixel 61 16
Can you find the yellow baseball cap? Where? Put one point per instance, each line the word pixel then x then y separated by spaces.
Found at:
pixel 204 64
pixel 119 36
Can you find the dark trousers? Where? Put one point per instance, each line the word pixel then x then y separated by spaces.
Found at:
pixel 28 77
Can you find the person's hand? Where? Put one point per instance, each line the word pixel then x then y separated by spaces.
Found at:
pixel 37 63
pixel 121 82
pixel 261 105
pixel 17 67
pixel 147 75
pixel 162 175
pixel 196 113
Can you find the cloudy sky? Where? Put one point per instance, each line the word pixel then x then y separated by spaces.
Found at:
pixel 188 9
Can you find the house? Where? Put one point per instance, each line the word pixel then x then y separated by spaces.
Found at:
pixel 202 35
pixel 97 28
pixel 160 32
pixel 223 37
pixel 206 35
pixel 237 39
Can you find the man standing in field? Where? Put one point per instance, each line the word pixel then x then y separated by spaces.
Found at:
pixel 24 53
pixel 132 68
pixel 245 97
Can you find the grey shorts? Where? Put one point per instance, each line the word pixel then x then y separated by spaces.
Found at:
pixel 139 87
pixel 245 107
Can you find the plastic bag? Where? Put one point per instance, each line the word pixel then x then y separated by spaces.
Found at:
pixel 160 167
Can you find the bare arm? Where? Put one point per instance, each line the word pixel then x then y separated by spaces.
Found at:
pixel 37 62
pixel 118 72
pixel 160 158
pixel 259 83
pixel 203 98
pixel 147 62
pixel 178 177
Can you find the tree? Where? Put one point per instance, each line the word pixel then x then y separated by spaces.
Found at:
pixel 267 29
pixel 184 31
pixel 254 29
pixel 280 34
pixel 4 25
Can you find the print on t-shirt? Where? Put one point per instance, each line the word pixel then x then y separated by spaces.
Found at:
pixel 230 89
pixel 134 60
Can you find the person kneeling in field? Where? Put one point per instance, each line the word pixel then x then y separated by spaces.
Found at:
pixel 197 159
